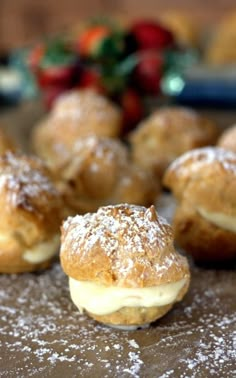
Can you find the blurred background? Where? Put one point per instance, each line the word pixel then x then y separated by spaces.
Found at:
pixel 183 51
pixel 23 21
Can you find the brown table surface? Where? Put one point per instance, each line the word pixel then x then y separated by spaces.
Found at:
pixel 43 335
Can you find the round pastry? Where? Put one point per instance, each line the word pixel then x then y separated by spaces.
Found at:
pixel 204 183
pixel 122 266
pixel 30 215
pixel 6 144
pixel 98 171
pixel 168 133
pixel 75 114
pixel 227 139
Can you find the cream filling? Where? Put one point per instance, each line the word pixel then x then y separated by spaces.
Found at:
pixel 101 300
pixel 227 222
pixel 42 251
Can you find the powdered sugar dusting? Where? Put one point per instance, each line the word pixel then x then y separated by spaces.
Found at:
pixel 23 179
pixel 197 159
pixel 42 334
pixel 133 238
pixel 133 224
pixel 76 106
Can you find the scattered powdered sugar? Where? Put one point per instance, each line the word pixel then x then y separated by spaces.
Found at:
pixel 133 238
pixel 133 227
pixel 23 178
pixel 42 334
pixel 198 158
pixel 79 106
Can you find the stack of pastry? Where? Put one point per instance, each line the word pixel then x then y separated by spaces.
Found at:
pixel 167 134
pixel 90 166
pixel 76 114
pixel 204 184
pixel 122 266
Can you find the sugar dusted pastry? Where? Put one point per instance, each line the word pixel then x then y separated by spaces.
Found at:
pixel 168 133
pixel 227 140
pixel 30 215
pixel 6 143
pixel 204 183
pixel 76 114
pixel 98 171
pixel 122 266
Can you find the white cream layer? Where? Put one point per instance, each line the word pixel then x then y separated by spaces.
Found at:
pixel 42 251
pixel 101 300
pixel 227 222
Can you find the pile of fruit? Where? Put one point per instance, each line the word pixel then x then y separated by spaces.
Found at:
pixel 125 64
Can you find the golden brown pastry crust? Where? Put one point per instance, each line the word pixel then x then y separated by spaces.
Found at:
pixel 204 179
pixel 202 239
pixel 124 246
pixel 227 139
pixel 75 115
pixel 30 210
pixel 97 171
pixel 133 315
pixel 167 134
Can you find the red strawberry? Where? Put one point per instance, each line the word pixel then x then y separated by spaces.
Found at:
pixel 132 107
pixel 91 79
pixel 91 39
pixel 148 72
pixel 151 35
pixel 55 75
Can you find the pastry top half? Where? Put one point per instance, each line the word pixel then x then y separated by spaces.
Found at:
pixel 125 246
pixel 76 114
pixel 30 204
pixel 228 139
pixel 206 177
pixel 168 133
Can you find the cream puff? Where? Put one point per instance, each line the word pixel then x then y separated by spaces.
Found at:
pixel 98 171
pixel 75 114
pixel 227 139
pixel 168 133
pixel 204 183
pixel 122 266
pixel 30 215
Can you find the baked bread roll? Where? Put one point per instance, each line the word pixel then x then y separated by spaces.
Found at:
pixel 30 215
pixel 76 114
pixel 227 139
pixel 204 183
pixel 97 171
pixel 122 266
pixel 167 134
pixel 6 143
